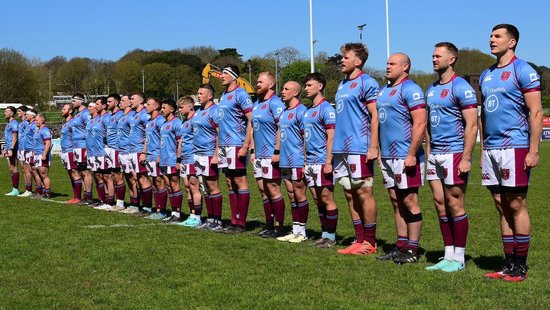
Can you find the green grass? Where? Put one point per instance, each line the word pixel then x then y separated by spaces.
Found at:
pixel 53 257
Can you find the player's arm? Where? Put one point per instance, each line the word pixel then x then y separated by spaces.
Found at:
pixel 248 138
pixel 470 134
pixel 533 103
pixel 418 130
pixel 47 145
pixel 328 159
pixel 372 153
pixel 179 154
pixel 275 157
pixel 14 136
pixel 143 156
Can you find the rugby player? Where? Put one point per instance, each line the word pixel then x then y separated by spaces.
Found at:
pixel 124 129
pixel 22 141
pixel 67 155
pixel 115 179
pixel 81 118
pixel 11 148
pixel 42 154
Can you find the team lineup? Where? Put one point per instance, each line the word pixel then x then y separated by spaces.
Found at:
pixel 145 146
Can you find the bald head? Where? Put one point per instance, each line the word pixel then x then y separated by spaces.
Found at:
pixel 398 67
pixel 291 91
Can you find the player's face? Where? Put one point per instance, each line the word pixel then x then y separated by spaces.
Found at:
pixel 151 106
pixel 166 110
pixel 99 107
pixel 441 59
pixel 312 88
pixel 39 121
pixel 124 102
pixel 111 103
pixel 29 117
pixel 20 114
pixel 501 42
pixel 395 68
pixel 350 61
pixel 135 101
pixel 204 95
pixel 7 113
pixel 226 79
pixel 263 85
pixel 65 111
pixel 77 102
pixel 185 109
pixel 287 93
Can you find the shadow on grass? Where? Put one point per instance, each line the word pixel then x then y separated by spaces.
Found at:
pixel 488 262
pixel 435 256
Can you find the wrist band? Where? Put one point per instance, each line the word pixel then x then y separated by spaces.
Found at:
pixel 276 152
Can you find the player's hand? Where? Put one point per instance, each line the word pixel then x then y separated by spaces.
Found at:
pixel 275 158
pixel 410 162
pixel 43 158
pixel 252 158
pixel 9 153
pixel 327 169
pixel 372 154
pixel 464 166
pixel 142 157
pixel 531 160
pixel 178 166
pixel 243 152
pixel 214 160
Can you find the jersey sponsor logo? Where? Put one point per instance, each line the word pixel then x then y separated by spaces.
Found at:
pixel 491 103
pixel 487 78
pixel 307 134
pixel 505 75
pixel 431 172
pixel 533 77
pixel 444 93
pixel 434 118
pixel 331 115
pixel 220 114
pixel 431 93
pixel 255 124
pixel 290 116
pixel 382 115
pixel 505 173
pixel 283 134
pixel 485 176
pixel 339 106
pixel 469 93
pixel 229 97
pixel 416 96
pixel 279 110
pixel 393 92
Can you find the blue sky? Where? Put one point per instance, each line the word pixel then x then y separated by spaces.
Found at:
pixel 108 29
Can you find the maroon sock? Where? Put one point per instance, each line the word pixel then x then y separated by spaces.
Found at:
pixel 190 205
pixel 446 230
pixel 77 189
pixel 460 230
pixel 234 205
pixel 508 244
pixel 331 220
pixel 303 212
pixel 359 231
pixel 522 248
pixel 100 188
pixel 294 213
pixel 28 187
pixel 88 196
pixel 120 191
pixel 402 242
pixel 369 230
pixel 111 200
pixel 322 216
pixel 40 190
pixel 171 199
pixel 162 200
pixel 242 206
pixel 147 197
pixel 278 205
pixel 156 200
pixel 178 199
pixel 413 246
pixel 216 200
pixel 268 211
pixel 198 210
pixel 134 201
pixel 15 180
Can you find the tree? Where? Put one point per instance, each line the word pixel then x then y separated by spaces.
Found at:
pixel 185 80
pixel 174 59
pixel 206 53
pixel 71 76
pixel 295 72
pixel 127 76
pixel 19 80
pixel 472 62
pixel 157 79
pixel 286 55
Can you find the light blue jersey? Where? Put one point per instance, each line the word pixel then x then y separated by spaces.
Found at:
pixel 353 120
pixel 124 129
pixel 317 120
pixel 11 127
pixel 395 105
pixel 79 130
pixel 187 147
pixel 265 119
pixel 21 138
pixel 137 134
pixel 445 105
pixel 112 129
pixel 291 127
pixel 97 136
pixel 505 115
pixel 152 132
pixel 29 136
pixel 41 135
pixel 169 136
pixel 232 119
pixel 205 131
pixel 67 136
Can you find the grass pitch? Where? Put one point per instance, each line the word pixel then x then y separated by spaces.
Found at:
pixel 67 257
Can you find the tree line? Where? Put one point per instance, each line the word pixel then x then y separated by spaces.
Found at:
pixel 168 74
